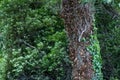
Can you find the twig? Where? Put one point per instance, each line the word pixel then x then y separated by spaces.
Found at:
pixel 27 44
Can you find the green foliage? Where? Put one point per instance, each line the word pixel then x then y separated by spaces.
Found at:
pixel 2 68
pixel 2 59
pixel 35 41
pixel 94 49
pixel 108 1
pixel 112 48
pixel 108 35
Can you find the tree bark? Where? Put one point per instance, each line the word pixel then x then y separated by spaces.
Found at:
pixel 78 24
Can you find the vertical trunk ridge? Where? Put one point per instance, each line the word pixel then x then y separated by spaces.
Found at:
pixel 78 23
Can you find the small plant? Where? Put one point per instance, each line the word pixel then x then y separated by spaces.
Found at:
pixel 94 49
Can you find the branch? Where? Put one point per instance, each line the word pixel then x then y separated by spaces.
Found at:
pixel 23 41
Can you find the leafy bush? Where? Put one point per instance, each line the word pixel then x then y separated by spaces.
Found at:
pixel 2 68
pixel 108 35
pixel 35 40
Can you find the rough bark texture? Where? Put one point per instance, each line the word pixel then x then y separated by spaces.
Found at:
pixel 78 22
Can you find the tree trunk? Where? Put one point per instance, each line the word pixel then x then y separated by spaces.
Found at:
pixel 78 23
